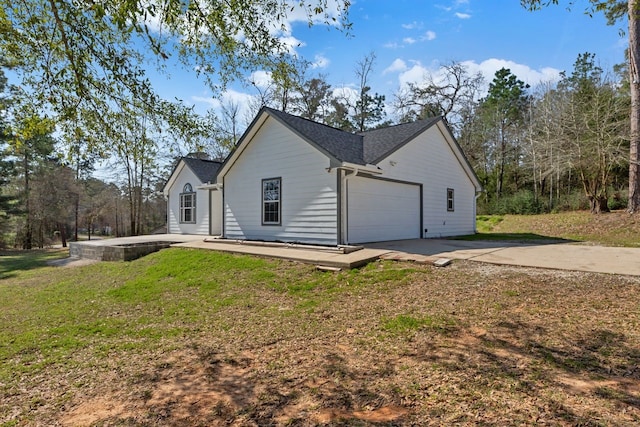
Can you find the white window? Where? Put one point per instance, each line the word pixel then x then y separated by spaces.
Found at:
pixel 188 205
pixel 271 201
pixel 450 199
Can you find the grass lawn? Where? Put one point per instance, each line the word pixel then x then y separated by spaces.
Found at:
pixel 186 337
pixel 612 229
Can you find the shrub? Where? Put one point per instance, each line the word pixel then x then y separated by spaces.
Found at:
pixel 524 202
pixel 619 200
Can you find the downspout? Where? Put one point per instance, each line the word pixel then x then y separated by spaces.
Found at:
pixel 166 216
pixel 345 216
pixel 475 209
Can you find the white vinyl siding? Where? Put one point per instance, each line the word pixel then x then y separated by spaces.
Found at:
pixel 216 213
pixel 431 160
pixel 308 208
pixel 379 210
pixel 201 224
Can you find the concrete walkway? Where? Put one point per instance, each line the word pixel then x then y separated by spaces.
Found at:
pixel 310 255
pixel 561 256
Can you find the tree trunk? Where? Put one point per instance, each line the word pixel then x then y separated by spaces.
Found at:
pixel 63 233
pixel 27 242
pixel 598 204
pixel 77 210
pixel 634 79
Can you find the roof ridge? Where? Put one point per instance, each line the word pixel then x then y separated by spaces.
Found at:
pixel 380 143
pixel 201 160
pixel 336 143
pixel 426 121
pixel 311 121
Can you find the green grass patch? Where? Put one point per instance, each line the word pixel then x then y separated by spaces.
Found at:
pixel 50 314
pixel 11 262
pixel 486 223
pixel 513 237
pixel 406 323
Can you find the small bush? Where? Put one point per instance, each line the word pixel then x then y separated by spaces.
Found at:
pixel 618 200
pixel 575 201
pixel 523 202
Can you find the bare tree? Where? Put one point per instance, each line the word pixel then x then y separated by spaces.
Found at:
pixel 450 92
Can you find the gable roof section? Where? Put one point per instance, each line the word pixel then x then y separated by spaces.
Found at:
pixel 379 143
pixel 341 145
pixel 368 147
pixel 205 170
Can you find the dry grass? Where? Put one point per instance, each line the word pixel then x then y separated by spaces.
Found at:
pixel 248 342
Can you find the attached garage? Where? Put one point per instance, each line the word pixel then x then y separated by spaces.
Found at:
pixel 380 210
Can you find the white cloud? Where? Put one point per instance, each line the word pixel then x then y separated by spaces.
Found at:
pixel 409 40
pixel 412 26
pixel 212 102
pixel 414 74
pixel 291 43
pixel 346 92
pixel 429 35
pixel 397 65
pixel 523 72
pixel 391 45
pixel 230 96
pixel 260 78
pixel 418 72
pixel 320 61
pixel 462 15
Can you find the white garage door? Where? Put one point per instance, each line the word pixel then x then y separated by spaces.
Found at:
pixel 382 210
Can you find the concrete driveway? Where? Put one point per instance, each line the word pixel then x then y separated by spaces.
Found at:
pixel 562 256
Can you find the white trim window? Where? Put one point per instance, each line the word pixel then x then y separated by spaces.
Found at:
pixel 450 205
pixel 188 205
pixel 271 196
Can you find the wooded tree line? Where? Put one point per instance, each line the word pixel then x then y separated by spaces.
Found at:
pixel 47 191
pixel 560 145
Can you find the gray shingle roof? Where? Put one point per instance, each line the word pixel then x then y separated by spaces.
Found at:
pixel 344 146
pixel 205 170
pixel 366 147
pixel 379 143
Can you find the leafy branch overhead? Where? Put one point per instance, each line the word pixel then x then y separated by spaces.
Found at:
pixel 81 59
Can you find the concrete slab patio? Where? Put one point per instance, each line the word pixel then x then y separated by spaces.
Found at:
pixel 309 255
pixel 560 256
pixel 136 246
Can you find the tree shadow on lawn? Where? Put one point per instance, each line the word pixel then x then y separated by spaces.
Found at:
pixel 523 238
pixel 598 364
pixel 12 261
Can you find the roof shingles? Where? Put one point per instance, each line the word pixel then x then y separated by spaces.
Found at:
pixel 365 148
pixel 205 170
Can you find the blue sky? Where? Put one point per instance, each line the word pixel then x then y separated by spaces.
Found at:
pixel 411 38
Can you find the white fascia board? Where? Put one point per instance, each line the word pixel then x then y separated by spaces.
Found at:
pixel 246 138
pixel 173 177
pixel 362 168
pixel 457 150
pixel 209 186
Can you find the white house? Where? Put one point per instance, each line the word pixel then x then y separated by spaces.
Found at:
pixel 191 207
pixel 293 180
